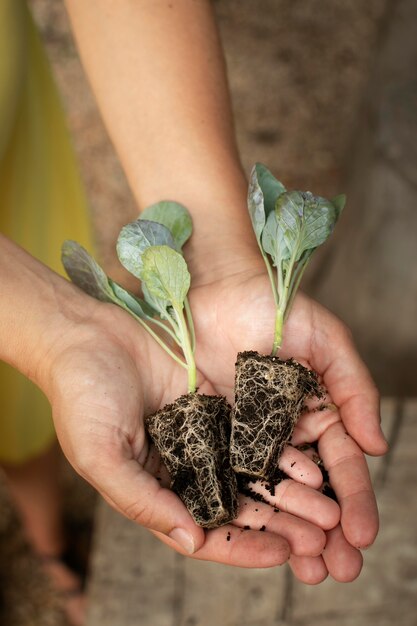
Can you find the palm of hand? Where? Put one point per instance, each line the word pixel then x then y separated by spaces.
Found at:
pixel 103 383
pixel 113 374
pixel 237 314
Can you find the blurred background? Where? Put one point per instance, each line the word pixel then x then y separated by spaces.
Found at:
pixel 325 94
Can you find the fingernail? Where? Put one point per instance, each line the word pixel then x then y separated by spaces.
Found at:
pixel 184 539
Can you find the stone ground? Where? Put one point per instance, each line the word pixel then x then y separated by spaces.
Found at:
pixel 324 93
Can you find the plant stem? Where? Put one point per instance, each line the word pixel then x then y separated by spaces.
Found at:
pixel 165 328
pixel 279 323
pixel 284 296
pixel 190 322
pixel 271 278
pixel 298 274
pixel 187 350
pixel 155 336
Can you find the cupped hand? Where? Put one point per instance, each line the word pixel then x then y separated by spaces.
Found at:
pixel 105 377
pixel 236 313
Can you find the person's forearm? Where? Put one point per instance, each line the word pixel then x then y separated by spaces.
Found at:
pixel 157 70
pixel 37 308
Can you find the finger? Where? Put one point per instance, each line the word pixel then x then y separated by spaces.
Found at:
pixel 243 548
pixel 300 467
pixel 132 491
pixel 302 501
pixel 348 381
pixel 307 569
pixel 313 424
pixel 349 477
pixel 303 537
pixel 343 561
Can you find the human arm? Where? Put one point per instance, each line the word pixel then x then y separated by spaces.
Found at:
pixel 317 338
pixel 158 74
pixel 101 373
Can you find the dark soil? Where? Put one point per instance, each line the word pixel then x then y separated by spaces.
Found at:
pixel 192 436
pixel 270 395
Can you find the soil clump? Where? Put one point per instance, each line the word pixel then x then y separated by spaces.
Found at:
pixel 192 435
pixel 270 396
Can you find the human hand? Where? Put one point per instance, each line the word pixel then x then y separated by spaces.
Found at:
pixel 102 378
pixel 236 313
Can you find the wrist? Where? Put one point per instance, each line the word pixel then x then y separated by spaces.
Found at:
pixel 216 196
pixel 37 313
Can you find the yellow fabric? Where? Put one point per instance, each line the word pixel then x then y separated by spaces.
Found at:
pixel 41 202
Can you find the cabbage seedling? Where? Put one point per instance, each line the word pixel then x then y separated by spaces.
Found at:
pixel 192 434
pixel 270 393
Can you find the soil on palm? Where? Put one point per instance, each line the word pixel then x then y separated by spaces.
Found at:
pixel 192 436
pixel 270 396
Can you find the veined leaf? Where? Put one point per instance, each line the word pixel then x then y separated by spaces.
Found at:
pixel 85 272
pixel 141 308
pixel 165 275
pixel 271 187
pixel 160 305
pixel 263 192
pixel 273 242
pixel 305 221
pixel 256 205
pixel 174 216
pixel 135 238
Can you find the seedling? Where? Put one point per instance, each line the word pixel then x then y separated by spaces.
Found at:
pixel 270 393
pixel 289 226
pixel 192 434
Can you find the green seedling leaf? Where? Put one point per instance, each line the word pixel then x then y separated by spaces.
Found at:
pixel 165 275
pixel 135 238
pixel 174 216
pixel 138 306
pixel 158 304
pixel 305 221
pixel 85 272
pixel 270 186
pixel 263 192
pixel 289 226
pixel 256 206
pixel 273 242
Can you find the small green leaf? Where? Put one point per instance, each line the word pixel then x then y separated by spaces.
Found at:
pixel 138 306
pixel 339 203
pixel 273 242
pixel 85 272
pixel 165 275
pixel 256 205
pixel 270 186
pixel 305 221
pixel 135 238
pixel 263 192
pixel 172 215
pixel 158 304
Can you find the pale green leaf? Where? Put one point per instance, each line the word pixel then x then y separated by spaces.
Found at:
pixel 135 238
pixel 138 306
pixel 256 205
pixel 305 221
pixel 263 192
pixel 273 242
pixel 270 186
pixel 85 272
pixel 165 275
pixel 160 305
pixel 172 215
